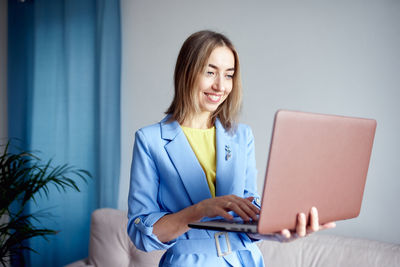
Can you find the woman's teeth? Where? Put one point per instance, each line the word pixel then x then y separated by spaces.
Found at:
pixel 214 98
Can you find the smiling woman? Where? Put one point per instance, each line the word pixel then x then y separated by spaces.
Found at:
pixel 180 173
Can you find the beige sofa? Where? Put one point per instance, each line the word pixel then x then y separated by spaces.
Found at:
pixel 111 246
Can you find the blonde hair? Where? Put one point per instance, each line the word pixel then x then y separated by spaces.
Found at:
pixel 191 62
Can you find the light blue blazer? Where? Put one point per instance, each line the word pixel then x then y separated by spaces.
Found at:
pixel 166 177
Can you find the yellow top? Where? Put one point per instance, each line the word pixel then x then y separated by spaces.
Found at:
pixel 202 142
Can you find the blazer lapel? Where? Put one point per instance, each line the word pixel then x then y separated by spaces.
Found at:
pixel 185 161
pixel 227 160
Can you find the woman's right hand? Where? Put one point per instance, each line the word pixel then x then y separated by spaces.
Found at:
pixel 220 206
pixel 173 225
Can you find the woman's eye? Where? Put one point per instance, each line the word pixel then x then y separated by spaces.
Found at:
pixel 229 76
pixel 210 73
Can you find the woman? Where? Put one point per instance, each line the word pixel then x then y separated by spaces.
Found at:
pixel 198 163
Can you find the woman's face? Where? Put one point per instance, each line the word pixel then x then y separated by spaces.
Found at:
pixel 215 84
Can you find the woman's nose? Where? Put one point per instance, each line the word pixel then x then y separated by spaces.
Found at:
pixel 218 83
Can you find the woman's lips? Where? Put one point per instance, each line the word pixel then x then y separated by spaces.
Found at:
pixel 213 97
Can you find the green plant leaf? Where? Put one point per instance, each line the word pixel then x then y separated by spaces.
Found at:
pixel 23 178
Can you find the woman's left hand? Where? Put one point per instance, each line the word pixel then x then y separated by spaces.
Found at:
pixel 302 229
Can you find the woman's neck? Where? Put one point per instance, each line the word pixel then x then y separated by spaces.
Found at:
pixel 198 121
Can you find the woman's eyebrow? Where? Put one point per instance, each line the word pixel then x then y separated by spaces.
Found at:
pixel 215 67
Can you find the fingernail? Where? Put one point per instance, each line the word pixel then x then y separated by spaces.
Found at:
pixel 286 233
pixel 314 210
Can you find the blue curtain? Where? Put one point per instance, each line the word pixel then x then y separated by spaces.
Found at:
pixel 64 63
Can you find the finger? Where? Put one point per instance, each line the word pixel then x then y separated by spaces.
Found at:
pixel 246 206
pixel 250 198
pixel 301 225
pixel 314 224
pixel 251 205
pixel 329 225
pixel 225 214
pixel 248 209
pixel 241 214
pixel 286 233
pixel 232 206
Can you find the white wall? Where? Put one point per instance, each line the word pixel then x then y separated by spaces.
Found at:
pixel 339 57
pixel 3 71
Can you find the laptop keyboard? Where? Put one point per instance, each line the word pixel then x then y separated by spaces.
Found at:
pixel 238 221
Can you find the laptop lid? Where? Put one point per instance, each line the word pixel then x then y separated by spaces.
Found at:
pixel 315 160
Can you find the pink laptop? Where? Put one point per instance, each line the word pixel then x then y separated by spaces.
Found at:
pixel 314 160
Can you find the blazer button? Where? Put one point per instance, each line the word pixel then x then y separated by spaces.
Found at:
pixel 137 220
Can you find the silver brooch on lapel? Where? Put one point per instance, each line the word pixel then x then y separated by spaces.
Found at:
pixel 227 152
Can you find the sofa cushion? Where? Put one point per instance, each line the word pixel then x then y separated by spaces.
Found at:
pixel 110 244
pixel 330 251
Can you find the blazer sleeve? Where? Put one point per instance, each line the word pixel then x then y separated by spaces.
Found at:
pixel 143 207
pixel 251 180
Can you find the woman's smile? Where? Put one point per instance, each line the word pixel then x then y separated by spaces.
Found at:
pixel 214 98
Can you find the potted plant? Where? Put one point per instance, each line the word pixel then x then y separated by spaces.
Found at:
pixel 24 177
